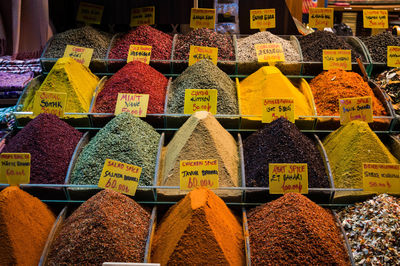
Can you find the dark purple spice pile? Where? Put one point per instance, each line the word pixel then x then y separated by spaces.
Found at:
pixel 109 227
pixel 208 38
pixel 51 143
pixel 281 142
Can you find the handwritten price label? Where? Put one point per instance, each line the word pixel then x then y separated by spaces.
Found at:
pixel 200 100
pixel 49 103
pixel 81 54
pixel 375 19
pixel 202 18
pixel 140 53
pixel 121 177
pixel 198 173
pixel 90 13
pixel 336 59
pixel 15 168
pixel 262 18
pixel 269 52
pixel 135 104
pixel 198 53
pixel 393 56
pixel 321 18
pixel 381 177
pixel 274 108
pixel 142 16
pixel 357 108
pixel 285 178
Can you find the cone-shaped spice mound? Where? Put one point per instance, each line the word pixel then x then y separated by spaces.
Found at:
pixel 281 142
pixel 199 230
pixel 108 227
pixel 293 230
pixel 25 223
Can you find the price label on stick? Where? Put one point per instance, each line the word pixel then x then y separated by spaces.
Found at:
pixel 119 176
pixel 332 59
pixel 393 56
pixel 198 53
pixel 202 18
pixel 200 100
pixel 198 173
pixel 140 53
pixel 15 168
pixel 381 177
pixel 321 18
pixel 375 19
pixel 50 103
pixel 135 104
pixel 285 178
pixel 274 108
pixel 269 52
pixel 142 16
pixel 262 19
pixel 90 13
pixel 81 54
pixel 357 108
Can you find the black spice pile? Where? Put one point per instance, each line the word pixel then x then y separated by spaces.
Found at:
pixel 389 81
pixel 204 37
pixel 313 44
pixel 108 227
pixel 281 142
pixel 377 45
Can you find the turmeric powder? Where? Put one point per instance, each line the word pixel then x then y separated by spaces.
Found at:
pixel 199 230
pixel 25 223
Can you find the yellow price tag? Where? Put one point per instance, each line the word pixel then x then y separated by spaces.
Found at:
pixel 393 56
pixel 381 177
pixel 320 18
pixel 15 168
pixel 135 104
pixel 332 59
pixel 357 108
pixel 50 103
pixel 269 52
pixel 142 16
pixel 288 177
pixel 275 108
pixel 376 19
pixel 262 19
pixel 120 177
pixel 200 100
pixel 81 54
pixel 202 18
pixel 90 13
pixel 198 173
pixel 198 53
pixel 140 53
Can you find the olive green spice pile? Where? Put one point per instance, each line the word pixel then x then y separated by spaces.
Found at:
pixel 204 75
pixel 127 139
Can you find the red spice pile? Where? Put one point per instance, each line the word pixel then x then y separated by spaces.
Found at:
pixel 134 77
pixel 160 42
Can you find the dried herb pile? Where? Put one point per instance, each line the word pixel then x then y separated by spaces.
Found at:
pixel 389 81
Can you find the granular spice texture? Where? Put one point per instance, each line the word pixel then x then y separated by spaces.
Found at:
pixel 125 138
pixel 293 230
pixel 199 230
pixel 281 142
pixel 332 85
pixel 108 227
pixel 377 45
pixel 51 143
pixel 204 75
pixel 135 77
pixel 160 42
pixel 372 228
pixel 25 223
pixel 204 37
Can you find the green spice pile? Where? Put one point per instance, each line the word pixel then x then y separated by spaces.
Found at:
pixel 108 227
pixel 389 81
pixel 127 139
pixel 372 228
pixel 204 75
